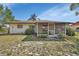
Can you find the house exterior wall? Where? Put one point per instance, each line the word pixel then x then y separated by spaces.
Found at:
pixel 14 30
pixel 59 28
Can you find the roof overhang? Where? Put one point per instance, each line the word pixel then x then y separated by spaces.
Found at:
pixel 40 21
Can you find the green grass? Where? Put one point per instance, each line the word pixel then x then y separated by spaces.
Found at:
pixel 28 38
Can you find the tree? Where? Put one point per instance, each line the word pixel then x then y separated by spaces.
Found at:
pixel 1 16
pixel 33 17
pixel 8 15
pixel 74 6
pixel 1 12
pixel 5 16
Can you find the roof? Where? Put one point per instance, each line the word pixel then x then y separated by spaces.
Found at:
pixel 75 24
pixel 38 21
pixel 20 22
pixel 43 21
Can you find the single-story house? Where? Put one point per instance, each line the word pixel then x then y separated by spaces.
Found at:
pixel 52 27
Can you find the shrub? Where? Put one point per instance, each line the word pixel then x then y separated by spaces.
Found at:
pixel 29 31
pixel 42 36
pixel 77 29
pixel 61 36
pixel 76 42
pixel 2 29
pixel 70 32
pixel 44 32
pixel 28 38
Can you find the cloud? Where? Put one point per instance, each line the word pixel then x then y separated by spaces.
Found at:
pixel 49 12
pixel 58 13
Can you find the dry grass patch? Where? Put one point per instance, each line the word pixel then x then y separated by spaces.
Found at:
pixel 8 41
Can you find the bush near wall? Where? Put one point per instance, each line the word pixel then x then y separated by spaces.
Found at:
pixel 42 36
pixel 29 31
pixel 70 31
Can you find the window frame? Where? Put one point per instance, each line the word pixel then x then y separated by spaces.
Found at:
pixel 19 26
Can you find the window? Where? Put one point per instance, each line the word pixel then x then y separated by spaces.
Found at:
pixel 20 26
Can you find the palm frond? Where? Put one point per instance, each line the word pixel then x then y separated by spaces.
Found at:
pixel 73 6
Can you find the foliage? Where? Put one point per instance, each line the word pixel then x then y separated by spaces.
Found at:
pixel 44 32
pixel 29 31
pixel 74 6
pixel 75 40
pixel 77 29
pixel 42 36
pixel 1 10
pixel 1 13
pixel 33 17
pixel 28 38
pixel 2 29
pixel 70 32
pixel 61 36
pixel 8 15
pixel 5 14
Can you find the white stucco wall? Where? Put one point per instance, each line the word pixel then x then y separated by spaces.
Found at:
pixel 14 29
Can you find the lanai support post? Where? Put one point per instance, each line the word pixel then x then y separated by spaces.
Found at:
pixel 48 28
pixel 65 29
pixel 54 28
pixel 37 29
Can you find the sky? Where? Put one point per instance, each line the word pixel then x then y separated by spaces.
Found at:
pixel 44 11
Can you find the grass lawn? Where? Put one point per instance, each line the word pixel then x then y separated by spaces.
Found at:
pixel 8 41
pixel 13 45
